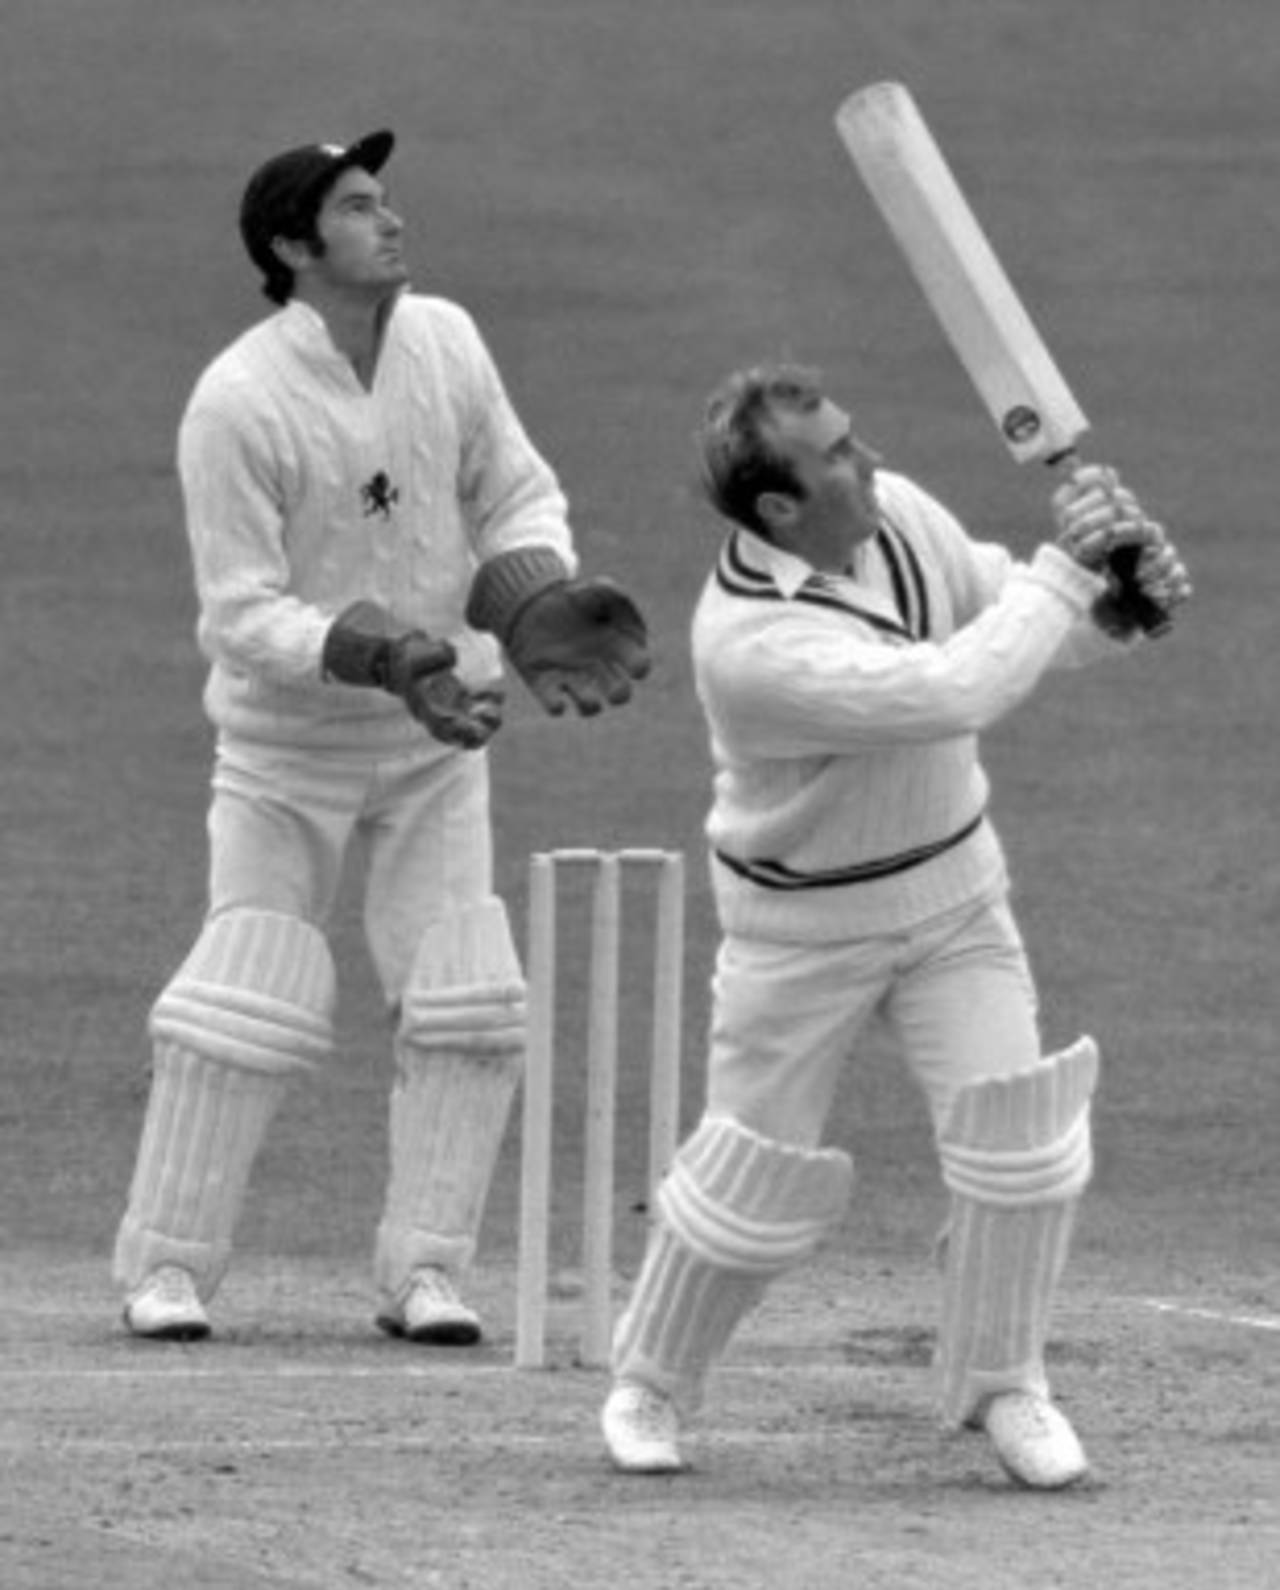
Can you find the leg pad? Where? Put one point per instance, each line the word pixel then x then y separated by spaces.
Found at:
pixel 744 1202
pixel 249 1009
pixel 1024 1139
pixel 1016 1156
pixel 735 1211
pixel 256 992
pixel 459 1055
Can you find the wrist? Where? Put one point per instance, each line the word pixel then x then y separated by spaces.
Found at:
pixel 1077 586
pixel 505 585
pixel 1111 617
pixel 354 653
pixel 364 647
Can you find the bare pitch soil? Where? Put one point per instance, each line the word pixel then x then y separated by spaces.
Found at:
pixel 301 1451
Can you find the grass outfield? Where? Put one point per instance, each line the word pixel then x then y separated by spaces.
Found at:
pixel 631 199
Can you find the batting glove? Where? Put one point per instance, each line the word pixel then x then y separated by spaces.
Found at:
pixel 1156 574
pixel 1094 515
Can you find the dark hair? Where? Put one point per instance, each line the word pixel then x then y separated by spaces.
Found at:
pixel 284 197
pixel 277 277
pixel 739 457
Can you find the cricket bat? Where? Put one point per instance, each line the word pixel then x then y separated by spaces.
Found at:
pixel 985 321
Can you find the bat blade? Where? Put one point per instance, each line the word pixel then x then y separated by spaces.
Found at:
pixel 938 234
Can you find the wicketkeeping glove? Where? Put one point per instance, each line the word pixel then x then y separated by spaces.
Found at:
pixel 363 647
pixel 579 643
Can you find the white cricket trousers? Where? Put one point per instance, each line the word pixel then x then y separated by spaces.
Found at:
pixel 281 823
pixel 957 995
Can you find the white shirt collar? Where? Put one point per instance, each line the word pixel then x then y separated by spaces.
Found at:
pixel 787 571
pixel 790 573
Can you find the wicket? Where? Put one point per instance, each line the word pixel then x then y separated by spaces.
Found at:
pixel 601 1067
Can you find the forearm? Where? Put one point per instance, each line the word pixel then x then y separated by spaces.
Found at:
pixel 510 493
pixel 786 695
pixel 276 638
pixel 1086 642
pixel 520 504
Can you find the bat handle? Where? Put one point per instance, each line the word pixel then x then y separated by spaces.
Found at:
pixel 1132 601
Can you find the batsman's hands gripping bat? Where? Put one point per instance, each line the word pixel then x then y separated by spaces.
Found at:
pixel 992 335
pixel 1094 515
pixel 1098 517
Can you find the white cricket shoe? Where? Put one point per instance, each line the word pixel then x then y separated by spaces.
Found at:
pixel 1034 1441
pixel 431 1311
pixel 641 1430
pixel 165 1307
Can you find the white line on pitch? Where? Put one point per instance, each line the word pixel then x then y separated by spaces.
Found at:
pixel 249 1372
pixel 1256 1322
pixel 428 1372
pixel 240 1446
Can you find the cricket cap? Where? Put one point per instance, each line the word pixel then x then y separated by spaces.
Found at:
pixel 284 196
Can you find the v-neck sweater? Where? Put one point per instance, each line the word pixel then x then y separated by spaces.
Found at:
pixel 306 490
pixel 844 713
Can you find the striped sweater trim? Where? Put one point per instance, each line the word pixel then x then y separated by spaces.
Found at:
pixel 736 577
pixel 776 875
pixel 909 588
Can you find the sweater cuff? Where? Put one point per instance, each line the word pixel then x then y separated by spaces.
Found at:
pixel 1078 587
pixel 506 584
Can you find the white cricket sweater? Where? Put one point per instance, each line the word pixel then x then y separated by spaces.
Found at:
pixel 844 716
pixel 305 491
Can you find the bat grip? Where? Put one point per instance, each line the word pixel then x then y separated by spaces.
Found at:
pixel 1132 602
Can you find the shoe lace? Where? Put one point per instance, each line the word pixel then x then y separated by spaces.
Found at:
pixel 652 1416
pixel 436 1284
pixel 172 1284
pixel 1035 1418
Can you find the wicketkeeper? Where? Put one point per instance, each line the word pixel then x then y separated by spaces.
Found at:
pixel 849 647
pixel 372 532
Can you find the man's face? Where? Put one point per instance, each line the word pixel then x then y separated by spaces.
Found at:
pixel 837 510
pixel 360 238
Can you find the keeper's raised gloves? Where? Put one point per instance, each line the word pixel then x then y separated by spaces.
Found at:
pixel 574 642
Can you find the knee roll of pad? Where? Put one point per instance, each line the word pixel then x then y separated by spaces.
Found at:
pixel 1024 1139
pixel 744 1202
pixel 257 991
pixel 466 990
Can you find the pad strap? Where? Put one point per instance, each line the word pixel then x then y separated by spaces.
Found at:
pixel 747 1203
pixel 465 989
pixel 1025 1139
pixel 257 991
pixel 1060 1169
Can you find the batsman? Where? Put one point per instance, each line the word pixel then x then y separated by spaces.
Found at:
pixel 850 646
pixel 373 533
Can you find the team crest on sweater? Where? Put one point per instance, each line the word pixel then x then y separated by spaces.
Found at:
pixel 379 496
